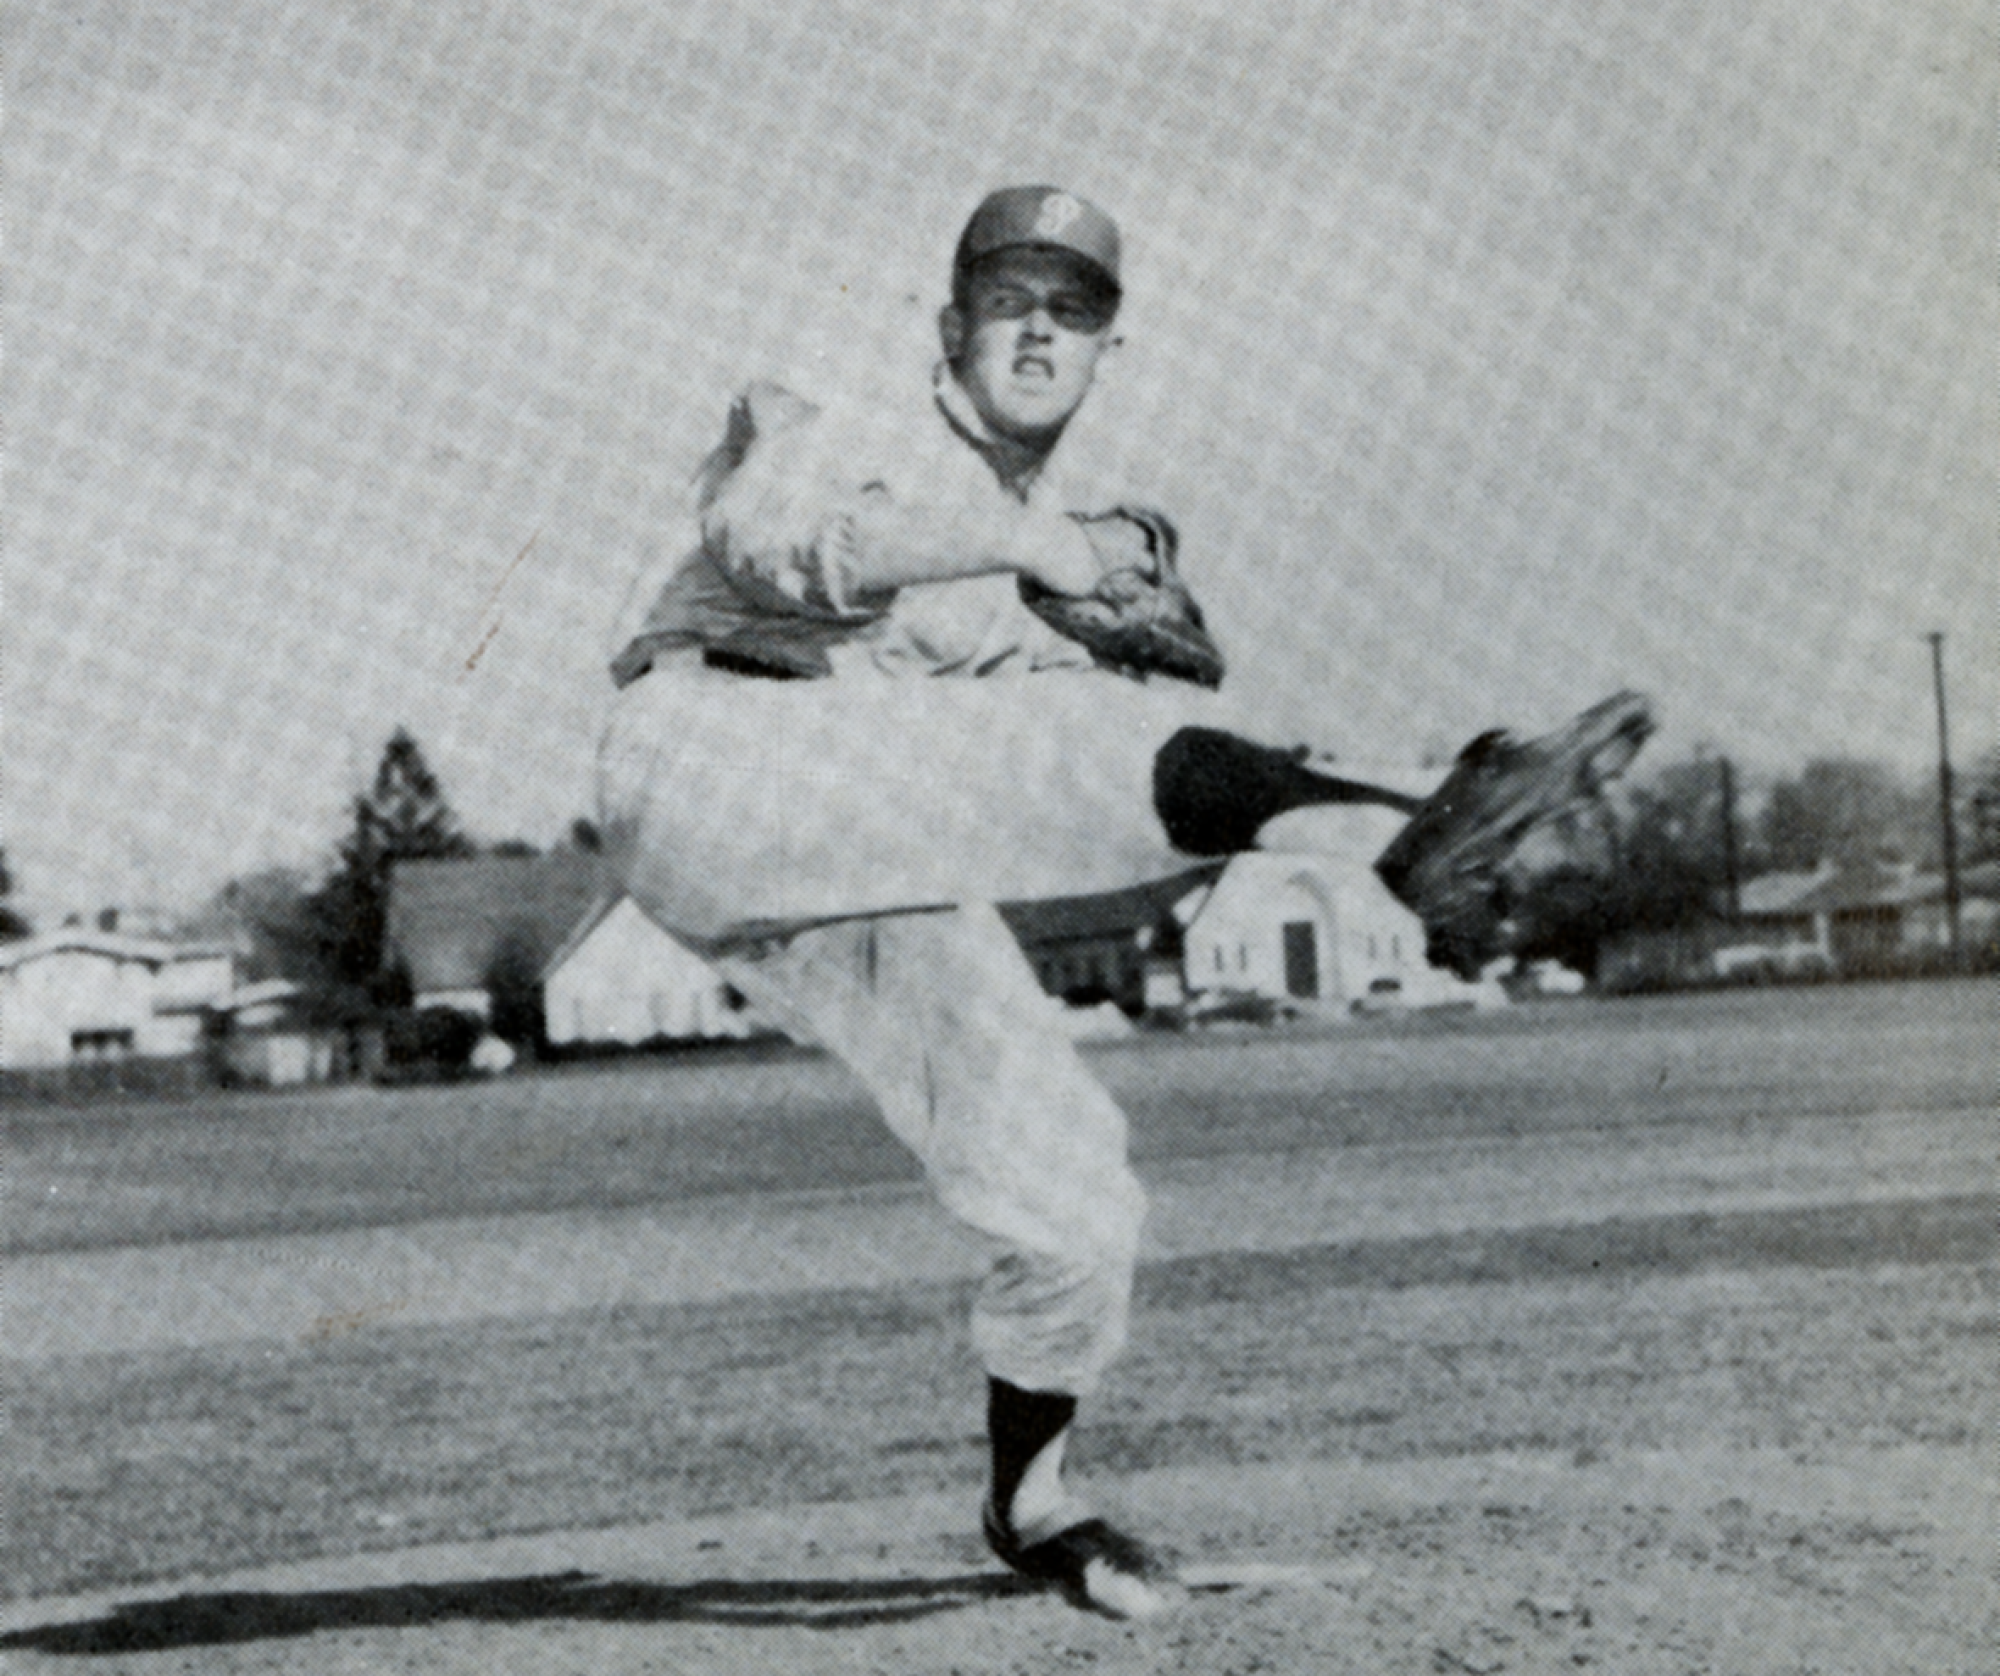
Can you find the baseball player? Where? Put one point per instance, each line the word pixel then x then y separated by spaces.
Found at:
pixel 889 683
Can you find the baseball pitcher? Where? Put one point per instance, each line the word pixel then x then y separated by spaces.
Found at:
pixel 906 669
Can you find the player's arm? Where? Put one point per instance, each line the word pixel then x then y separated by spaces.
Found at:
pixel 896 544
pixel 786 520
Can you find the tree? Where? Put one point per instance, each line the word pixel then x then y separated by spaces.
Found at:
pixel 267 915
pixel 514 980
pixel 1673 857
pixel 403 816
pixel 1844 811
pixel 12 925
pixel 1661 862
pixel 1979 818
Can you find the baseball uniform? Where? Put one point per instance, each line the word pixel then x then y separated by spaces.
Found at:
pixel 951 751
pixel 842 735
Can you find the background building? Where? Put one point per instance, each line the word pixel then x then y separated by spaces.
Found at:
pixel 620 978
pixel 1320 932
pixel 474 933
pixel 261 1035
pixel 1121 946
pixel 76 996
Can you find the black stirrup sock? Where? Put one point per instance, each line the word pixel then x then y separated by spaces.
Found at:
pixel 1213 791
pixel 1021 1424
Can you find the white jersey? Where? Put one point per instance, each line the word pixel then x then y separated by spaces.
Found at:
pixel 776 567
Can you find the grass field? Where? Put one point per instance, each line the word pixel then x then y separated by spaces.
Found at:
pixel 636 1133
pixel 1697 1288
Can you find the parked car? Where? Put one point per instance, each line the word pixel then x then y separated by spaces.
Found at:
pixel 1771 962
pixel 1238 1006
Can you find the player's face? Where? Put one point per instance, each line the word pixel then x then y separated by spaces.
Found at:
pixel 1027 342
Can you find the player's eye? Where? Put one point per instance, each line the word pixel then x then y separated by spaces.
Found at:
pixel 1009 305
pixel 1073 311
pixel 1077 313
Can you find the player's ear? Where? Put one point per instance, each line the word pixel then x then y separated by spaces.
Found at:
pixel 1107 355
pixel 951 332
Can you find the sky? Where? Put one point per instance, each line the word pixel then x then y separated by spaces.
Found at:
pixel 1492 358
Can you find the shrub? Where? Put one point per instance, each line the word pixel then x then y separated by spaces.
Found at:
pixel 429 1043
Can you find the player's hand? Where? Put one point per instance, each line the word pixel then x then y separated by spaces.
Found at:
pixel 1126 552
pixel 1138 615
pixel 1058 554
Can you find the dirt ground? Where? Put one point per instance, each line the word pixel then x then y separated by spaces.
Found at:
pixel 1644 1337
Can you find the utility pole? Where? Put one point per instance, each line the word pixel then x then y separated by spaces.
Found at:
pixel 1732 879
pixel 1947 823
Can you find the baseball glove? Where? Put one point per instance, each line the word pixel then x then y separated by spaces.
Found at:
pixel 1140 619
pixel 1510 814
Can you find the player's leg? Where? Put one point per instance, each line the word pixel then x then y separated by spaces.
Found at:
pixel 1509 811
pixel 751 801
pixel 741 801
pixel 1214 791
pixel 942 1019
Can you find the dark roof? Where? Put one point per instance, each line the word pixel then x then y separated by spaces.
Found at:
pixel 1863 885
pixel 1778 895
pixel 1115 913
pixel 1982 878
pixel 1869 884
pixel 448 920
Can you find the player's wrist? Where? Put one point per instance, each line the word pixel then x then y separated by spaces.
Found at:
pixel 1057 553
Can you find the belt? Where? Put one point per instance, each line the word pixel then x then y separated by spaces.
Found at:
pixel 740 663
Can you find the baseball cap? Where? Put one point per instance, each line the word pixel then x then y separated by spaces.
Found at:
pixel 1044 216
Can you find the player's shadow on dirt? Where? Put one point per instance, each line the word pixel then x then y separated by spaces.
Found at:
pixel 211 1620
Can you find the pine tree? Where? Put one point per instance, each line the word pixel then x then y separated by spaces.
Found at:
pixel 403 816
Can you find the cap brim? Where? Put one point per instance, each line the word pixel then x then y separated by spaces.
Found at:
pixel 1096 269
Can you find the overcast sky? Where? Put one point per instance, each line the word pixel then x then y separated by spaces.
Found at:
pixel 1493 356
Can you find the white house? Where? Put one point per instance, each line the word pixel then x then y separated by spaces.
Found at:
pixel 262 1038
pixel 1777 929
pixel 620 978
pixel 554 927
pixel 1926 925
pixel 1321 931
pixel 75 995
pixel 1854 918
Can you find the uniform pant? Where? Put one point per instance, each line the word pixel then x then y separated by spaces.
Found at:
pixel 746 814
pixel 943 1021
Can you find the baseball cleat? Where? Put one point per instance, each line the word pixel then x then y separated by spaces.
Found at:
pixel 1095 1566
pixel 1451 864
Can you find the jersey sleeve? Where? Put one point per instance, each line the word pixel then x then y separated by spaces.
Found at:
pixel 778 507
